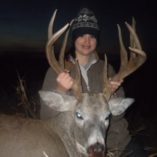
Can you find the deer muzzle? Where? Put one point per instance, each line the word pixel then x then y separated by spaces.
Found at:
pixel 96 150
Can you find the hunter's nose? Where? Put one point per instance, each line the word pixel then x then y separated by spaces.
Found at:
pixel 87 40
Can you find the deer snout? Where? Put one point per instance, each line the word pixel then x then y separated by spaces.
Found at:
pixel 96 150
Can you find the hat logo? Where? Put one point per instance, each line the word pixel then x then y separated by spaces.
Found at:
pixel 86 18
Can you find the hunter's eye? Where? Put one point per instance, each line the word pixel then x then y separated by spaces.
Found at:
pixel 79 116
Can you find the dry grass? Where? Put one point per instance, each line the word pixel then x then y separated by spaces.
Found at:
pixel 25 101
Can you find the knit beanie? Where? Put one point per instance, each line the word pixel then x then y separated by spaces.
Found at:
pixel 85 23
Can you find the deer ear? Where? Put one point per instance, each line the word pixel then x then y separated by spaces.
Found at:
pixel 118 105
pixel 58 102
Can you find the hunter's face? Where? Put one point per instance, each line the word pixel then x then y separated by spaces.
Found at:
pixel 85 44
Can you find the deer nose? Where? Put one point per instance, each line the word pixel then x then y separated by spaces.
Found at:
pixel 96 150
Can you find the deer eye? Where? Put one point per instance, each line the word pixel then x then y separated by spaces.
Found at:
pixel 79 116
pixel 108 117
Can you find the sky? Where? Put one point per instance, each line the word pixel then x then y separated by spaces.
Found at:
pixel 23 23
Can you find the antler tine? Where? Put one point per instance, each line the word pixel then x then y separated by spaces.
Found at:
pixel 107 90
pixel 124 60
pixel 136 59
pixel 77 88
pixel 62 52
pixel 123 54
pixel 139 56
pixel 50 27
pixel 50 46
pixel 132 43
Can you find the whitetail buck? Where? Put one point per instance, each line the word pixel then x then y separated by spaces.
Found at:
pixel 80 127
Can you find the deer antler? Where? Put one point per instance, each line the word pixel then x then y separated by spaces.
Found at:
pixel 128 66
pixel 59 66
